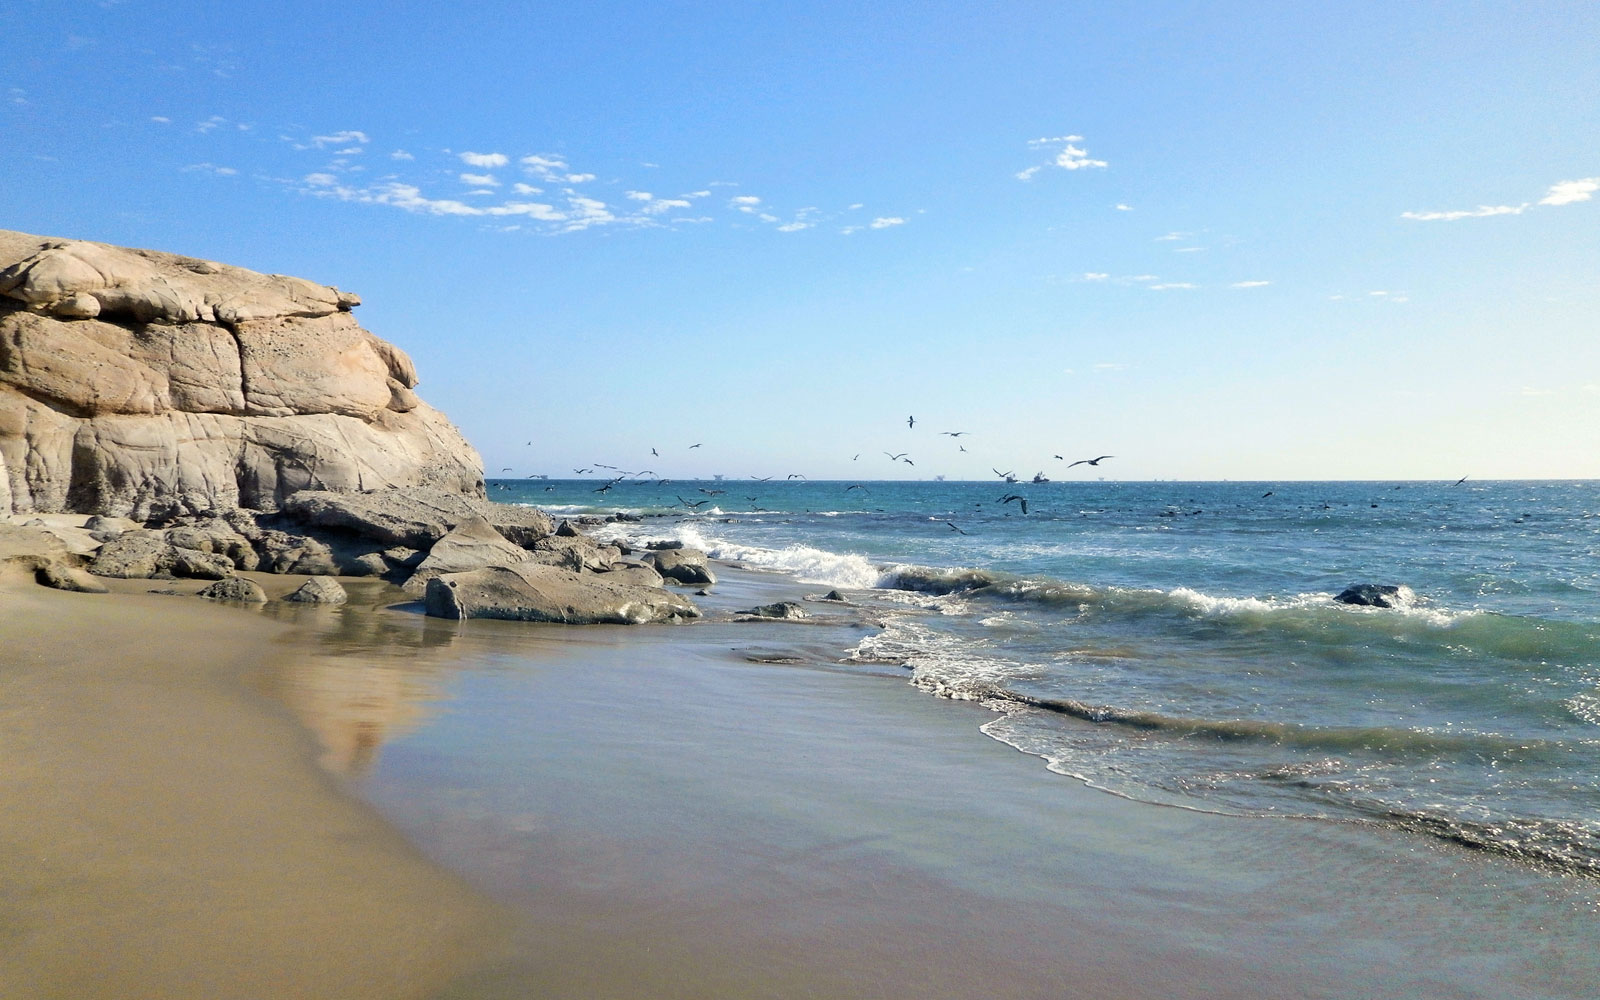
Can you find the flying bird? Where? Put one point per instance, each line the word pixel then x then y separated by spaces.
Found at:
pixel 582 471
pixel 908 462
pixel 1458 482
pixel 795 475
pixel 505 468
pixel 896 458
pixel 693 506
pixel 1090 461
pixel 857 486
pixel 962 447
pixel 1266 494
pixel 1007 476
pixel 692 447
pixel 655 453
pixel 954 434
pixel 953 527
pixel 712 493
pixel 911 421
pixel 762 479
pixel 855 456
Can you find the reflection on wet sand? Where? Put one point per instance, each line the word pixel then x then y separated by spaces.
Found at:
pixel 367 673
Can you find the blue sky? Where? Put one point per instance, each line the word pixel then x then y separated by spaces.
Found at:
pixel 1216 240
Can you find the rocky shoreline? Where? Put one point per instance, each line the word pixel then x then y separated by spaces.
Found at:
pixel 202 420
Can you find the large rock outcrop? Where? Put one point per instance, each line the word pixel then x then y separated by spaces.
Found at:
pixel 145 384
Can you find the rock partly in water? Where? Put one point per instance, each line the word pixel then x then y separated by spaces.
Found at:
pixel 835 597
pixel 235 588
pixel 535 593
pixel 1377 595
pixel 785 610
pixel 146 384
pixel 686 566
pixel 319 590
pixel 637 574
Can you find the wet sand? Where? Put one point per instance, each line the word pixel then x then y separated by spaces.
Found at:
pixel 645 812
pixel 166 831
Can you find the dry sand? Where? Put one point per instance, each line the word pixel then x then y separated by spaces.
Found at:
pixel 166 832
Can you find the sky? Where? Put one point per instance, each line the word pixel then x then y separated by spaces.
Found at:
pixel 1214 240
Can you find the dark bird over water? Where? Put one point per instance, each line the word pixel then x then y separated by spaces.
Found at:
pixel 693 506
pixel 1266 494
pixel 712 493
pixel 953 527
pixel 1007 476
pixel 1090 461
pixel 795 475
pixel 1458 482
pixel 1016 496
pixel 857 486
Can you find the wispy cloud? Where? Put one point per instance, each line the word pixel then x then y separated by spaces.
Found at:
pixel 350 138
pixel 1096 276
pixel 1481 212
pixel 1560 193
pixel 1069 156
pixel 1183 286
pixel 1123 208
pixel 884 222
pixel 479 180
pixel 402 155
pixel 487 160
pixel 210 168
pixel 1250 284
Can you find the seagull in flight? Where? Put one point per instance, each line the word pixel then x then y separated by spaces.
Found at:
pixel 1458 482
pixel 693 506
pixel 1007 476
pixel 909 462
pixel 911 421
pixel 953 527
pixel 1090 461
pixel 1016 496
pixel 655 453
pixel 896 458
pixel 954 434
pixel 692 447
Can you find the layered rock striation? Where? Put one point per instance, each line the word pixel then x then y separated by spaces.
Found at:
pixel 149 385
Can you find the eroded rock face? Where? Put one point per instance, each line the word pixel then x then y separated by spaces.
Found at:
pixel 533 593
pixel 413 518
pixel 144 384
pixel 681 565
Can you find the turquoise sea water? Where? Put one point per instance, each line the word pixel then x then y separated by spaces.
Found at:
pixel 1178 642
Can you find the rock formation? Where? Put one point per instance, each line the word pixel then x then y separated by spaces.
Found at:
pixel 203 420
pixel 148 385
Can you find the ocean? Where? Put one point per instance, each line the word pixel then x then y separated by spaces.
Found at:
pixel 1179 643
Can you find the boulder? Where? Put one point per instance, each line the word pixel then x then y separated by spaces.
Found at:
pixel 534 593
pixel 235 588
pixel 472 544
pixel 319 590
pixel 145 384
pixel 637 574
pixel 664 543
pixel 144 554
pixel 63 577
pixel 680 565
pixel 414 518
pixel 574 552
pixel 786 610
pixel 1377 595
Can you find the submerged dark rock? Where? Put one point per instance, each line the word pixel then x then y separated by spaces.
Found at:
pixel 786 610
pixel 1377 595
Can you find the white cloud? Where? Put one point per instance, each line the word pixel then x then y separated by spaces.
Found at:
pixel 1173 236
pixel 884 222
pixel 1124 208
pixel 698 194
pixel 1378 294
pixel 764 217
pixel 1481 212
pixel 1143 277
pixel 1571 192
pixel 543 162
pixel 858 205
pixel 847 230
pixel 1250 284
pixel 1188 249
pixel 321 180
pixel 1172 286
pixel 1069 157
pixel 579 178
pixel 209 168
pixel 209 124
pixel 401 154
pixel 521 188
pixel 1074 158
pixel 488 160
pixel 794 227
pixel 639 195
pixel 661 205
pixel 340 139
pixel 1110 366
pixel 161 119
pixel 747 200
pixel 1096 276
pixel 479 180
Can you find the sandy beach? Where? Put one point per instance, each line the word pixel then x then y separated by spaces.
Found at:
pixel 168 832
pixel 615 812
